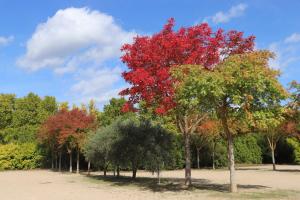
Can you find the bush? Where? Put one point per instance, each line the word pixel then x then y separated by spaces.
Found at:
pixel 295 145
pixel 247 150
pixel 19 156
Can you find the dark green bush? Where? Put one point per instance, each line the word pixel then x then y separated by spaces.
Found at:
pixel 295 145
pixel 247 150
pixel 19 156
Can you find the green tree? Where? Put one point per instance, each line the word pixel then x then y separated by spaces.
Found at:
pixel 237 88
pixel 269 121
pixel 111 111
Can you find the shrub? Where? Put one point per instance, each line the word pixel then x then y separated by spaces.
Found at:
pixel 295 145
pixel 19 156
pixel 247 150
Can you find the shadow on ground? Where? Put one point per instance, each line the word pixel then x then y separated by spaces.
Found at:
pixel 169 184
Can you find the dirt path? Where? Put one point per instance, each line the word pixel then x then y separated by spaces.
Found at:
pixel 254 182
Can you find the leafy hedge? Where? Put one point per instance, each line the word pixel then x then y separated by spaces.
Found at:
pixel 247 150
pixel 295 145
pixel 19 156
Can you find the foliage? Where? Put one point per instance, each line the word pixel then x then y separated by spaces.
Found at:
pixel 19 156
pixel 111 111
pixel 23 134
pixel 131 143
pixel 21 117
pixel 295 144
pixel 67 127
pixel 150 58
pixel 99 146
pixel 247 150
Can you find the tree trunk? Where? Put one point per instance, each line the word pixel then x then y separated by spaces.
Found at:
pixel 59 162
pixel 77 166
pixel 158 175
pixel 134 170
pixel 198 158
pixel 118 171
pixel 71 161
pixel 89 168
pixel 188 179
pixel 56 157
pixel 233 185
pixel 52 160
pixel 223 115
pixel 273 159
pixel 104 171
pixel 213 156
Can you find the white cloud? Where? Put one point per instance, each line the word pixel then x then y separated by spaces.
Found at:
pixel 224 17
pixel 83 43
pixel 295 37
pixel 286 51
pixel 6 40
pixel 94 84
pixel 73 37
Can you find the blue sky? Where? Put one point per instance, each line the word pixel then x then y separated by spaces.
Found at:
pixel 70 48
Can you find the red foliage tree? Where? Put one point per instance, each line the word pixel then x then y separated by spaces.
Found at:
pixel 68 128
pixel 150 58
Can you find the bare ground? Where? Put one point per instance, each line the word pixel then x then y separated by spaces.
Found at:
pixel 255 182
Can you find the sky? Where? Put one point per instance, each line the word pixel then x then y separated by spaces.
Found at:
pixel 70 49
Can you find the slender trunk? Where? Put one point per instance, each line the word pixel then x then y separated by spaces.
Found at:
pixel 56 157
pixel 198 158
pixel 233 185
pixel 158 174
pixel 134 170
pixel 52 160
pixel 272 146
pixel 223 115
pixel 273 158
pixel 188 179
pixel 104 171
pixel 77 166
pixel 118 171
pixel 71 161
pixel 213 156
pixel 89 167
pixel 59 162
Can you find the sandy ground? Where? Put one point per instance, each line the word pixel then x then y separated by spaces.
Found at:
pixel 254 182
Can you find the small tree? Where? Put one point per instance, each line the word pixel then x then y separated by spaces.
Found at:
pixel 268 122
pixel 99 147
pixel 206 134
pixel 69 129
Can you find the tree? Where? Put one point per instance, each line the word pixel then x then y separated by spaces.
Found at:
pixel 111 111
pixel 93 111
pixel 292 123
pixel 150 59
pixel 70 127
pixel 269 122
pixel 207 133
pixel 237 89
pixel 99 147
